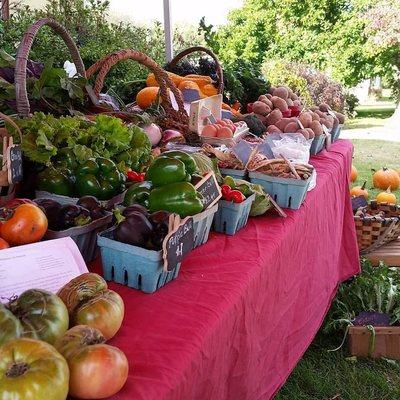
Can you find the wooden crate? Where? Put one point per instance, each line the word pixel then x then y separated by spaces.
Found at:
pixel 389 254
pixel 387 342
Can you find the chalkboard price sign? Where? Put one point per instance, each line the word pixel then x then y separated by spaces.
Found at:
pixel 14 162
pixel 208 187
pixel 178 243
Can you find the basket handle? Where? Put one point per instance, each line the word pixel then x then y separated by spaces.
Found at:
pixel 104 66
pixel 201 49
pixel 24 48
pixel 9 120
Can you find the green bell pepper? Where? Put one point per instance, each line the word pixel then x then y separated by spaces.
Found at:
pixel 186 158
pixel 99 178
pixel 165 170
pixel 66 158
pixel 138 193
pixel 179 197
pixel 58 181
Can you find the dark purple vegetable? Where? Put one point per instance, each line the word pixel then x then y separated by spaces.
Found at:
pixel 159 216
pixel 372 318
pixel 93 205
pixel 135 208
pixel 51 208
pixel 134 229
pixel 73 215
pixel 160 222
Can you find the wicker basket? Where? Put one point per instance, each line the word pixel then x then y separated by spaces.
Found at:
pixel 24 48
pixel 173 119
pixel 7 190
pixel 173 63
pixel 375 231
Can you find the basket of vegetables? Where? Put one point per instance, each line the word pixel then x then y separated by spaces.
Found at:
pixel 233 210
pixel 81 221
pixel 287 183
pixel 376 225
pixel 167 117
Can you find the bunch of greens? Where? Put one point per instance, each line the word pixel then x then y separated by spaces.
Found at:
pixel 376 289
pixel 49 89
pixel 44 135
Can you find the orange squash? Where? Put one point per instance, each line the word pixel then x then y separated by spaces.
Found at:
pixel 359 191
pixel 147 96
pixel 152 81
pixel 201 80
pixel 188 84
pixel 385 178
pixel 209 90
pixel 386 197
pixel 353 173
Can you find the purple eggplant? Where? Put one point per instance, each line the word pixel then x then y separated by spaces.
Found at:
pixel 160 222
pixel 93 205
pixel 134 229
pixel 135 208
pixel 52 209
pixel 73 215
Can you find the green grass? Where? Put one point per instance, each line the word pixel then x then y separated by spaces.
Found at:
pixel 375 154
pixel 323 375
pixel 371 115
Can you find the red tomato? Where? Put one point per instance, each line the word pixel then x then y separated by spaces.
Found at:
pixel 97 370
pixel 236 196
pixel 133 176
pixel 225 190
pixel 3 244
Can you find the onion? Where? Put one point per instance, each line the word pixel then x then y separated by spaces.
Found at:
pixel 153 132
pixel 172 135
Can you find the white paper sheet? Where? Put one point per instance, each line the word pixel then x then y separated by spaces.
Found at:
pixel 45 265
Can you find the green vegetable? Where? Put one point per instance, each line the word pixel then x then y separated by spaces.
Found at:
pixel 186 158
pixel 206 164
pixel 66 158
pixel 255 125
pixel 99 178
pixel 179 197
pixel 261 203
pixel 58 181
pixel 165 170
pixel 138 193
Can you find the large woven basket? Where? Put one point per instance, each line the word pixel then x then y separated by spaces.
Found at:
pixel 199 49
pixel 376 230
pixel 23 107
pixel 172 119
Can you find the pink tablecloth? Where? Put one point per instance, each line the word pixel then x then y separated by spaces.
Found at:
pixel 244 309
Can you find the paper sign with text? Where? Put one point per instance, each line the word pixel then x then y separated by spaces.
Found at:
pixel 47 265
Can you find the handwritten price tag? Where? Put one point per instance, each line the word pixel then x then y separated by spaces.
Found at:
pixel 14 161
pixel 209 189
pixel 178 242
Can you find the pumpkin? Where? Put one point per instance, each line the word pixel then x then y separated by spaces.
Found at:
pixel 147 96
pixel 385 178
pixel 209 90
pixel 353 173
pixel 359 191
pixel 386 197
pixel 188 84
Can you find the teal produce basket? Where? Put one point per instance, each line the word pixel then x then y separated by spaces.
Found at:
pixel 133 266
pixel 288 193
pixel 234 173
pixel 202 223
pixel 317 144
pixel 336 132
pixel 231 216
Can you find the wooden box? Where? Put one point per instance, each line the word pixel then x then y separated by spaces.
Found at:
pixel 387 342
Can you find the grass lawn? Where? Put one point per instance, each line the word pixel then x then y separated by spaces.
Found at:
pixel 323 375
pixel 371 115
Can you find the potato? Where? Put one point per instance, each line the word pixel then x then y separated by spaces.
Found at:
pixel 269 96
pixel 314 108
pixel 335 121
pixel 274 117
pixel 324 107
pixel 294 96
pixel 320 113
pixel 279 103
pixel 316 127
pixel 261 108
pixel 315 116
pixel 304 132
pixel 326 122
pixel 281 124
pixel 340 117
pixel 297 103
pixel 330 118
pixel 273 129
pixel 262 97
pixel 306 119
pixel 271 89
pixel 266 101
pixel 262 118
pixel 289 101
pixel 311 134
pixel 281 92
pixel 291 127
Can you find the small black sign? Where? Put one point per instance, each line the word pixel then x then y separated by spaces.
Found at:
pixel 14 161
pixel 178 243
pixel 208 187
pixel 357 202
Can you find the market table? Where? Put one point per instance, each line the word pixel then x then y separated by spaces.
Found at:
pixel 245 308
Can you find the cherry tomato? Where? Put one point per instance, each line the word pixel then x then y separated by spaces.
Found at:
pixel 225 190
pixel 236 196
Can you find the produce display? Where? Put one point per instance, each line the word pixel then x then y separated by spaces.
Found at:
pixel 223 128
pixel 225 159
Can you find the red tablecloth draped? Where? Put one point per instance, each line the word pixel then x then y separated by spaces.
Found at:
pixel 245 308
